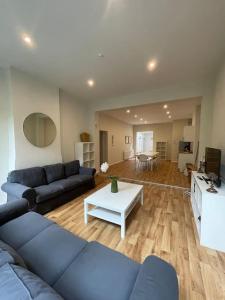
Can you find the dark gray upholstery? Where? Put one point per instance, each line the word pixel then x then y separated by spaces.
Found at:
pixel 45 192
pixel 104 273
pixel 30 177
pixel 12 210
pixel 21 230
pixel 15 257
pixel 54 172
pixel 57 248
pixel 72 168
pixel 80 270
pixel 18 283
pixel 87 171
pixel 49 186
pixel 155 279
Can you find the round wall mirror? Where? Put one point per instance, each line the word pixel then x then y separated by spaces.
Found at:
pixel 39 129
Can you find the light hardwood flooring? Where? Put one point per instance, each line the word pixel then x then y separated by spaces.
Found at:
pixel 164 226
pixel 166 173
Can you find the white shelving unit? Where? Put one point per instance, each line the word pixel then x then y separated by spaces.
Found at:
pixel 162 148
pixel 209 213
pixel 85 153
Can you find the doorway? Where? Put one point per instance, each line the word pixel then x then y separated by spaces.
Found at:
pixel 144 141
pixel 103 143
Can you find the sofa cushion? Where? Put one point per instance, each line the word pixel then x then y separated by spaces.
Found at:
pixel 54 172
pixel 81 179
pixel 55 248
pixel 30 177
pixel 45 192
pixel 156 280
pixel 98 273
pixel 72 168
pixel 15 258
pixel 19 283
pixel 19 231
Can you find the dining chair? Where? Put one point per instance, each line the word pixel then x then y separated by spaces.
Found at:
pixel 143 160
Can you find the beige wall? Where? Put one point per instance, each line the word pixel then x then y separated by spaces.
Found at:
pixel 73 121
pixel 119 130
pixel 177 136
pixel 161 132
pixel 218 136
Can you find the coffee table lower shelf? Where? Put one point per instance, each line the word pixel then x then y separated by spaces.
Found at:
pixel 105 214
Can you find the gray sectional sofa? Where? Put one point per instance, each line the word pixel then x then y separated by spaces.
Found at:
pixel 50 186
pixel 40 260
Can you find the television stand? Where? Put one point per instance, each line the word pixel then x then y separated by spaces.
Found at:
pixel 209 212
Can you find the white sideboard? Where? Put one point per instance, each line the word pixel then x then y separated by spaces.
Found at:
pixel 209 213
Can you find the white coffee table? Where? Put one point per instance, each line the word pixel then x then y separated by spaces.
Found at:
pixel 114 207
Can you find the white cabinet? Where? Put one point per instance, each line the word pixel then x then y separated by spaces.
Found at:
pixel 85 153
pixel 189 134
pixel 209 213
pixel 183 159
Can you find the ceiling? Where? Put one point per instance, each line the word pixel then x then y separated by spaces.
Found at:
pixel 155 113
pixel 185 37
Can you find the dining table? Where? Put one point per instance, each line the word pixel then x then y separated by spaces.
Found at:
pixel 150 154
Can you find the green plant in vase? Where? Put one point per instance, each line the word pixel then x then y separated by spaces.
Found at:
pixel 114 184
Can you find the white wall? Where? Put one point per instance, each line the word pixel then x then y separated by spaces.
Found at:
pixel 4 131
pixel 73 120
pixel 161 132
pixel 119 130
pixel 218 136
pixel 29 95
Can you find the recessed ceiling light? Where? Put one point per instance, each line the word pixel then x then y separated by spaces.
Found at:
pixel 27 40
pixel 165 106
pixel 135 116
pixel 146 122
pixel 128 111
pixel 152 64
pixel 141 119
pixel 169 117
pixel 91 82
pixel 167 112
pixel 101 55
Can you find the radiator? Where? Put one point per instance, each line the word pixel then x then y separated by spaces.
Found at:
pixel 128 154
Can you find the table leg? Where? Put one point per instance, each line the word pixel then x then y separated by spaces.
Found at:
pixel 123 226
pixel 85 213
pixel 142 196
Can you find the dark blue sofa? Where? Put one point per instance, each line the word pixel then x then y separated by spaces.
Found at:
pixel 40 260
pixel 50 186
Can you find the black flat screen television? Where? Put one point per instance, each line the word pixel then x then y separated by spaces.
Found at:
pixel 213 163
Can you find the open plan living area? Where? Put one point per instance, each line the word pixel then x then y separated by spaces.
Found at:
pixel 112 150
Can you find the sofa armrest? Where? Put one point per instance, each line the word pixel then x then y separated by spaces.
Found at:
pixel 156 280
pixel 19 191
pixel 12 210
pixel 87 171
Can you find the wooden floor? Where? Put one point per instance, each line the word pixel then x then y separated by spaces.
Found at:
pixel 164 226
pixel 166 173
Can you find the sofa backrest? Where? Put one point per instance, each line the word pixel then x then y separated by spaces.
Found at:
pixel 72 168
pixel 54 172
pixel 31 177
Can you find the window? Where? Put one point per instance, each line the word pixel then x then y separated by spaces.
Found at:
pixel 144 141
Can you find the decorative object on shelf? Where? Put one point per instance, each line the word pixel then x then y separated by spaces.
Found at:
pixel 114 184
pixel 212 178
pixel 85 137
pixel 201 167
pixel 104 167
pixel 126 139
